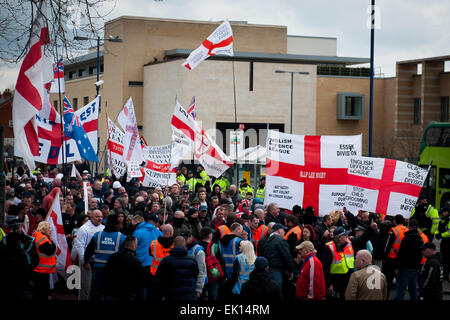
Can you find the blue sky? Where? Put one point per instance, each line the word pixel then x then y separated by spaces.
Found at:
pixel 409 29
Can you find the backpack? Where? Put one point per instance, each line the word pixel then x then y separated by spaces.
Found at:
pixel 213 267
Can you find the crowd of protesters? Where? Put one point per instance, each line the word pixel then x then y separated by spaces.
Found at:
pixel 207 239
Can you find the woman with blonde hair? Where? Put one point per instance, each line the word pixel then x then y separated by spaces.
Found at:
pixel 243 265
pixel 46 250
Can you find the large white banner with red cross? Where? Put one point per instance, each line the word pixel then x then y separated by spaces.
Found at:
pixel 308 170
pixel 384 186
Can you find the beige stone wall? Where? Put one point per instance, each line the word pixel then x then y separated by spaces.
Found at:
pixel 145 39
pixel 212 85
pixel 327 124
pixel 79 88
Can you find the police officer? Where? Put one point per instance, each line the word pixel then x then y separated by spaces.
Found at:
pixel 191 181
pixel 261 191
pixel 244 188
pixel 103 245
pixel 443 233
pixel 427 216
pixel 204 179
pixel 183 174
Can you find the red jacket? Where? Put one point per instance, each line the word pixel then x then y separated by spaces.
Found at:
pixel 311 281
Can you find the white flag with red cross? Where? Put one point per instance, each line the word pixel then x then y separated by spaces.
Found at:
pixel 219 42
pixel 206 151
pixel 54 217
pixel 132 152
pixel 384 186
pixel 308 170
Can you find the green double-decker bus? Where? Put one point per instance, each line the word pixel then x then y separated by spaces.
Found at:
pixel 435 150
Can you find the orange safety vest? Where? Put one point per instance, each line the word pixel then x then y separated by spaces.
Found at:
pixel 297 230
pixel 47 264
pixel 224 230
pixel 259 233
pixel 158 253
pixel 399 232
pixel 425 240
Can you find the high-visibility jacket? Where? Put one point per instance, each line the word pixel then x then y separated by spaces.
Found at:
pixel 343 261
pixel 192 182
pixel 399 232
pixel 431 213
pixel 243 191
pixel 221 182
pixel 444 228
pixel 425 240
pixel 259 233
pixel 2 234
pixel 297 230
pixel 47 264
pixel 106 244
pixel 158 253
pixel 260 193
pixel 182 178
pixel 224 230
pixel 244 273
pixel 204 177
pixel 229 253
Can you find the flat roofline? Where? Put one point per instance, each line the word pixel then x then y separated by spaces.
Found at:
pixel 236 23
pixel 439 58
pixel 311 37
pixel 274 57
pixel 83 58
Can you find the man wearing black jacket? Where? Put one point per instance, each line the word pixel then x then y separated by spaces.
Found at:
pixel 409 261
pixel 123 273
pixel 430 283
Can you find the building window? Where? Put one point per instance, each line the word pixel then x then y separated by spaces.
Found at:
pixel 251 77
pixel 135 83
pixel 417 105
pixel 350 106
pixel 92 70
pixel 444 109
pixel 85 100
pixel 101 67
pixel 72 75
pixel 75 103
pixel 82 73
pixel 55 104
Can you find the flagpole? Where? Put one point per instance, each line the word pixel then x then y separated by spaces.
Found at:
pixel 235 124
pixel 61 117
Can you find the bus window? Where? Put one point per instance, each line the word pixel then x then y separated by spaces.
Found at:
pixel 438 137
pixel 432 136
pixel 444 178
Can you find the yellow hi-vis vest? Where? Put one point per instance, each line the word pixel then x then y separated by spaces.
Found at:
pixel 343 261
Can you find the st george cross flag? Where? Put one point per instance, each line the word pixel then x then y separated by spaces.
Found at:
pixel 384 186
pixel 132 147
pixel 308 170
pixel 58 84
pixel 35 72
pixel 54 217
pixel 157 170
pixel 192 109
pixel 206 151
pixel 115 150
pixel 219 42
pixel 49 131
pixel 74 130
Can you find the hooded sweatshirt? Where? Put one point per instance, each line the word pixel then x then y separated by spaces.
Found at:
pixel 145 233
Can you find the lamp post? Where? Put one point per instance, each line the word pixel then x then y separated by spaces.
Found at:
pixel 97 85
pixel 292 89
